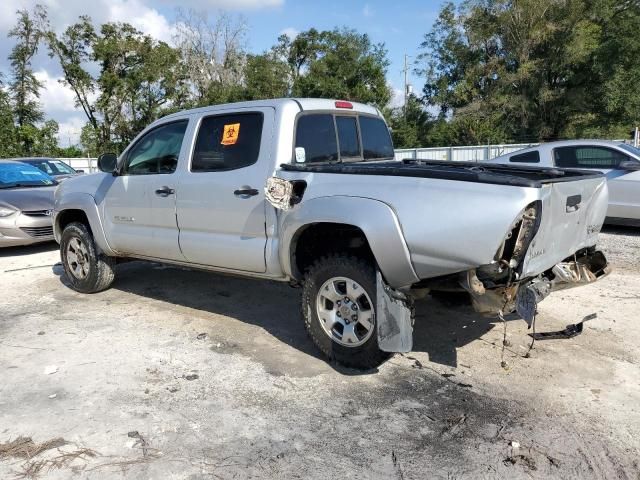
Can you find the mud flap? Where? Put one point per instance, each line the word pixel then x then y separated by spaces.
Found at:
pixel 394 318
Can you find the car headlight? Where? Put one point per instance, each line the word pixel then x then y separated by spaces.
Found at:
pixel 6 211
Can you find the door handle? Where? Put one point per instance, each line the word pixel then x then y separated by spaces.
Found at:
pixel 246 192
pixel 165 191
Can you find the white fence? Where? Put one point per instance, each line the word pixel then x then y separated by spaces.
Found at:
pixel 457 154
pixel 478 153
pixel 89 165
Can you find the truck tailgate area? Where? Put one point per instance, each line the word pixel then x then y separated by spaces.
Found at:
pixel 571 217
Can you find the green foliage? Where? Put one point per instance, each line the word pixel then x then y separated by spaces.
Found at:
pixel 265 77
pixel 494 70
pixel 336 64
pixel 139 80
pixel 525 70
pixel 9 146
pixel 25 87
pixel 410 125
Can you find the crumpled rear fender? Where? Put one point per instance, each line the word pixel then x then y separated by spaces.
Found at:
pixel 377 221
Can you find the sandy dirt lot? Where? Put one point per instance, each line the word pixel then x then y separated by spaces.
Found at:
pixel 177 374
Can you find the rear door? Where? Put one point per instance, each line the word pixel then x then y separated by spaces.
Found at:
pixel 624 194
pixel 139 205
pixel 220 203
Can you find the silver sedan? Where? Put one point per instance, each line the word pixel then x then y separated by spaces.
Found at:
pixel 618 161
pixel 26 204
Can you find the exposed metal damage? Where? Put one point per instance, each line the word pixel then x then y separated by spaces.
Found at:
pixel 497 288
pixel 284 194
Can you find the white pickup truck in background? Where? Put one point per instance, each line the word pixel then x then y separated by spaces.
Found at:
pixel 620 163
pixel 307 191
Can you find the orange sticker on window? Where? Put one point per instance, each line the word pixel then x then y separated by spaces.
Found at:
pixel 230 135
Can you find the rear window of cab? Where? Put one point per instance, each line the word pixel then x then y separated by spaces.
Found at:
pixel 332 137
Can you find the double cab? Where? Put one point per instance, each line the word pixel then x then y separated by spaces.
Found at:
pixel 307 191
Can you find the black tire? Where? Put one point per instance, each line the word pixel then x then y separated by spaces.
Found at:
pixel 100 273
pixel 365 356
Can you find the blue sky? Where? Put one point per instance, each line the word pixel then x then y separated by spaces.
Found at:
pixel 399 25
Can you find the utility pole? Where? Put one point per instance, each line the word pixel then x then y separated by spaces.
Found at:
pixel 405 70
pixel 636 137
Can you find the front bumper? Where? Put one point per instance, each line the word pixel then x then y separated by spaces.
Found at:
pixel 26 228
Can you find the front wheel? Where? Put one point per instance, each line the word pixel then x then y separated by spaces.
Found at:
pixel 86 270
pixel 339 310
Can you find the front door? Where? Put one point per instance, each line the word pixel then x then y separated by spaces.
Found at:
pixel 220 202
pixel 139 205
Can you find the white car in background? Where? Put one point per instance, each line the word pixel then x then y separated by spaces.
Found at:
pixel 618 161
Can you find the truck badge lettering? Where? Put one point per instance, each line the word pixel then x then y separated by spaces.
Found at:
pixel 536 253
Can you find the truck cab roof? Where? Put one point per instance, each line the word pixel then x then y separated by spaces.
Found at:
pixel 302 104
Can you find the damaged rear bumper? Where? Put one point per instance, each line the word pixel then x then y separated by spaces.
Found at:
pixel 582 268
pixel 395 309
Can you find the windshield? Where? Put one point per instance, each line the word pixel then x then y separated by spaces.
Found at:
pixel 630 148
pixel 52 167
pixel 23 175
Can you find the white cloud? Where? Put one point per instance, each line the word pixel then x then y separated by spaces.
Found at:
pixel 397 97
pixel 58 102
pixel 54 96
pixel 366 11
pixel 290 32
pixel 63 13
pixel 227 4
pixel 145 19
pixel 70 129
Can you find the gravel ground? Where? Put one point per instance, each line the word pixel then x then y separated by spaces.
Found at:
pixel 177 374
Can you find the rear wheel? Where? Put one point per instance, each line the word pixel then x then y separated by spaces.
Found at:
pixel 339 310
pixel 86 270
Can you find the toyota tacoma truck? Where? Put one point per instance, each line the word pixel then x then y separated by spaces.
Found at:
pixel 307 191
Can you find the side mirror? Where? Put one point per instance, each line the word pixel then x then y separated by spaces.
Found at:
pixel 629 165
pixel 79 171
pixel 107 162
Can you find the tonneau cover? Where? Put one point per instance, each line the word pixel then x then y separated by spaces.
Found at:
pixel 499 174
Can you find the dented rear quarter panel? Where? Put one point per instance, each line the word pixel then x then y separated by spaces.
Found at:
pixel 451 226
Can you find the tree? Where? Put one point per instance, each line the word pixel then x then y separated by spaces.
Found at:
pixel 410 124
pixel 212 55
pixel 265 76
pixel 73 50
pixel 8 135
pixel 139 79
pixel 25 87
pixel 336 64
pixel 527 70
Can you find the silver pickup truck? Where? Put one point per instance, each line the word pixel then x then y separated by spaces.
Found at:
pixel 307 191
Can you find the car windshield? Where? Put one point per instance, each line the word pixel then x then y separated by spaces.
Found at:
pixel 630 148
pixel 14 175
pixel 51 167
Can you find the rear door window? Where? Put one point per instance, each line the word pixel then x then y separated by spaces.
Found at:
pixel 316 134
pixel 528 157
pixel 588 157
pixel 348 137
pixel 227 142
pixel 376 139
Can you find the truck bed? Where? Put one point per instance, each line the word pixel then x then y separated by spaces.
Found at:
pixel 497 174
